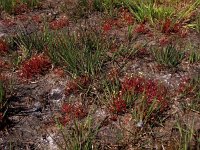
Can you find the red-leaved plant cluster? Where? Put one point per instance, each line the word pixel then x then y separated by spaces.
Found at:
pixel 135 86
pixel 108 25
pixel 118 106
pixel 59 23
pixel 38 64
pixel 74 85
pixel 141 28
pixel 20 9
pixel 139 85
pixel 37 18
pixel 59 72
pixel 22 17
pixel 170 27
pixel 8 22
pixel 124 18
pixel 188 86
pixel 71 111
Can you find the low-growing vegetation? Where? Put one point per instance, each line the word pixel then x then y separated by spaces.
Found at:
pixel 17 6
pixel 99 74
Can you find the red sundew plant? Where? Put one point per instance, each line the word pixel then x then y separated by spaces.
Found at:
pixel 34 66
pixel 189 93
pixel 176 28
pixel 188 86
pixel 140 85
pixel 79 111
pixel 59 72
pixel 141 28
pixel 134 85
pixel 36 18
pixel 154 91
pixel 143 98
pixel 20 9
pixel 168 27
pixel 67 108
pixel 74 85
pixel 64 119
pixel 71 111
pixel 107 26
pixel 118 106
pixel 141 50
pixel 82 80
pixel 113 117
pixel 59 23
pixel 22 17
pixel 8 22
pixel 3 46
pixel 126 16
